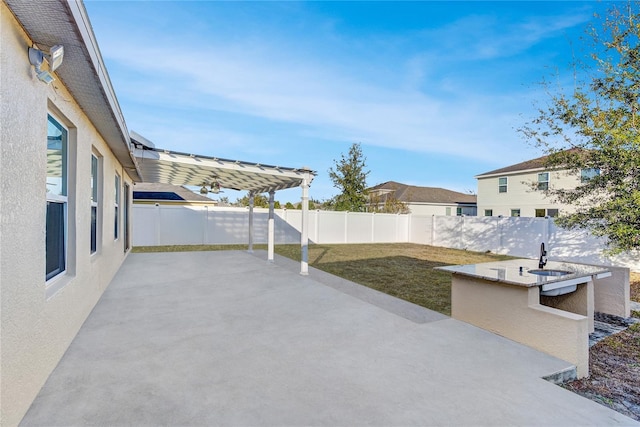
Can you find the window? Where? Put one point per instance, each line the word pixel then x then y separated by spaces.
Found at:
pixel 448 211
pixel 541 213
pixel 116 208
pixel 502 184
pixel 95 193
pixel 515 212
pixel 458 211
pixel 488 212
pixel 543 181
pixel 126 216
pixel 588 174
pixel 57 199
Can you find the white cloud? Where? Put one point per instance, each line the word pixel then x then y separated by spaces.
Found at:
pixel 334 101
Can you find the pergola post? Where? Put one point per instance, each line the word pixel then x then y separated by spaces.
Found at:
pixel 304 233
pixel 271 236
pixel 251 198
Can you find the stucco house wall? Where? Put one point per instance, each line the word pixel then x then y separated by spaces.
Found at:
pixel 520 194
pixel 426 209
pixel 39 320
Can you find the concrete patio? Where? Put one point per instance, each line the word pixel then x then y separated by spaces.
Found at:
pixel 225 338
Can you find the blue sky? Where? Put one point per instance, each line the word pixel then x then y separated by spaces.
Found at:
pixel 434 91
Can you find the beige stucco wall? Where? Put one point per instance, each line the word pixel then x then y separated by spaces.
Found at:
pixel 516 313
pixel 612 294
pixel 431 209
pixel 36 330
pixel 520 195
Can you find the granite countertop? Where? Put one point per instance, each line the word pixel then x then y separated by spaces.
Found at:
pixel 509 272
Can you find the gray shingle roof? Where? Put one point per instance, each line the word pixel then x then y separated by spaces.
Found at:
pixel 538 163
pixel 523 166
pixel 414 194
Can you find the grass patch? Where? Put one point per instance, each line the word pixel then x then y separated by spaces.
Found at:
pixel 403 270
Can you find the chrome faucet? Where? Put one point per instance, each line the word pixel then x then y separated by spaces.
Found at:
pixel 543 256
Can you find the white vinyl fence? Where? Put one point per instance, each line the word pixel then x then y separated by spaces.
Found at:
pixel 192 225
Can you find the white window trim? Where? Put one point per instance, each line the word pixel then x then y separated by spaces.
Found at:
pixel 116 205
pixel 65 201
pixel 96 203
pixel 542 182
pixel 505 185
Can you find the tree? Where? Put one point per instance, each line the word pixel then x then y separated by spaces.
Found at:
pixel 259 201
pixel 350 177
pixel 387 204
pixel 594 127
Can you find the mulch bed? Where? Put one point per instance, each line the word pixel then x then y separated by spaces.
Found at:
pixel 614 367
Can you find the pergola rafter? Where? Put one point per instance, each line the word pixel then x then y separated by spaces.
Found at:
pixel 172 167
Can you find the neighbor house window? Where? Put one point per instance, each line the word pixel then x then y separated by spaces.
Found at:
pixel 543 181
pixel 588 174
pixel 458 211
pixel 116 203
pixel 57 199
pixel 95 193
pixel 448 211
pixel 488 212
pixel 515 212
pixel 502 184
pixel 541 213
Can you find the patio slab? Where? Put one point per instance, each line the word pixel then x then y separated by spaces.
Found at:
pixel 226 338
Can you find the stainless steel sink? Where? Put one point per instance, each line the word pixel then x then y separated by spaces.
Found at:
pixel 553 290
pixel 550 272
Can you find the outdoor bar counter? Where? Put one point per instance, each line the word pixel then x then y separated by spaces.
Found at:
pixel 551 313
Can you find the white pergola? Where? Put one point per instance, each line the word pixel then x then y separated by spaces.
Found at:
pixel 171 167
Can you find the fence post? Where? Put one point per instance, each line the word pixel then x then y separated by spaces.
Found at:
pixel 205 217
pixel 373 227
pixel 500 234
pixel 158 228
pixel 433 230
pixel 545 231
pixel 346 227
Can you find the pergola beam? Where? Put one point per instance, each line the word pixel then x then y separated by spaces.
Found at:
pixel 171 167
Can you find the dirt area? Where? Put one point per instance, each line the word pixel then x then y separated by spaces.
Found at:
pixel 635 287
pixel 614 366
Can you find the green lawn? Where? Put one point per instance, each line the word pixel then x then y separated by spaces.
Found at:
pixel 404 270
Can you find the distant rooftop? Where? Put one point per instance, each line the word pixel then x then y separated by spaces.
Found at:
pixel 159 191
pixel 415 194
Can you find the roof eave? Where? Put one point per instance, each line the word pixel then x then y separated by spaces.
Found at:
pixel 83 71
pixel 518 172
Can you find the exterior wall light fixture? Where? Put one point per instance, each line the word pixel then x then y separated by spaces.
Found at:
pixel 54 58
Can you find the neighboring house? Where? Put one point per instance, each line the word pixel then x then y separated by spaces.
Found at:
pixel 67 172
pixel 154 192
pixel 425 200
pixel 518 190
